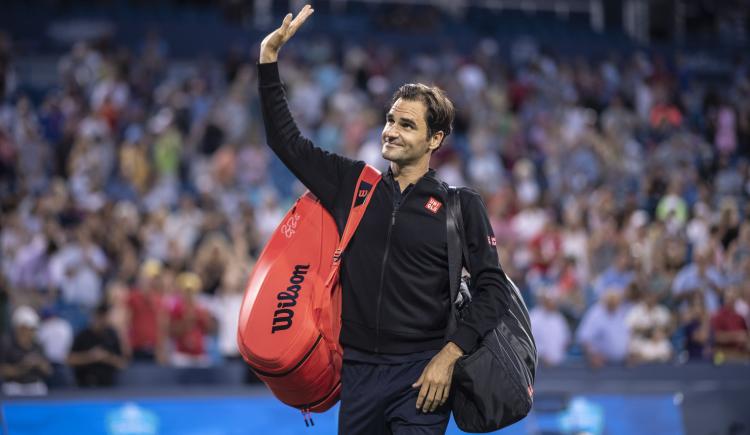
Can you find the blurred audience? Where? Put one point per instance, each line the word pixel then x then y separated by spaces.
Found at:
pixel 144 183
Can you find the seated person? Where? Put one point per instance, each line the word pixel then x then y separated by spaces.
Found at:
pixel 649 324
pixel 97 353
pixel 551 331
pixel 731 337
pixel 23 366
pixel 695 326
pixel 603 332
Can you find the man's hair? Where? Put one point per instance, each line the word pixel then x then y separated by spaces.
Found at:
pixel 440 111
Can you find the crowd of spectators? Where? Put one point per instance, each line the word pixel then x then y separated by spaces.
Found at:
pixel 137 193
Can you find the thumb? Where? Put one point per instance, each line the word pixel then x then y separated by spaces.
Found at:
pixel 419 381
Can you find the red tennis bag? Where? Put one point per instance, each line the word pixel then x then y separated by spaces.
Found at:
pixel 291 313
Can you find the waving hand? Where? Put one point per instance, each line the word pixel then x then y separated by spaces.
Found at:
pixel 269 48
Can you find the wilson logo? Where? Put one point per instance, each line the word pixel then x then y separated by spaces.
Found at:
pixel 433 205
pixel 363 190
pixel 282 318
pixel 290 226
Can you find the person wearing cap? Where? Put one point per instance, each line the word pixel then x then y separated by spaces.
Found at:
pixel 23 365
pixel 190 324
pixel 146 314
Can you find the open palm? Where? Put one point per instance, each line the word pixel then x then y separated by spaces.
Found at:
pixel 269 48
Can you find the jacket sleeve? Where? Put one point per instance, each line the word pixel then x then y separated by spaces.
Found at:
pixel 320 171
pixel 490 287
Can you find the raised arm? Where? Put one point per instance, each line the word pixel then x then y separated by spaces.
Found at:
pixel 320 171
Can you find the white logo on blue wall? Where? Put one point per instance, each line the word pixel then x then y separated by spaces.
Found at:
pixel 582 416
pixel 131 419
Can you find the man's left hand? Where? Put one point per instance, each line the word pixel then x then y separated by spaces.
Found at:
pixel 435 382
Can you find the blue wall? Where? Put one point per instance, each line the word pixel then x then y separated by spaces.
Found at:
pixel 596 414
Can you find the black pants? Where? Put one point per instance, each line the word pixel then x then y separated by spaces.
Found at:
pixel 378 399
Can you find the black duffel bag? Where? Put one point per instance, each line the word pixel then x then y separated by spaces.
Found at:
pixel 492 385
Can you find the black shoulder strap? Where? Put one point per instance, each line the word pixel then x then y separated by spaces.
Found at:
pixel 457 250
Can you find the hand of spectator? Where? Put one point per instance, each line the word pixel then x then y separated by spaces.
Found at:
pixel 32 360
pixel 596 361
pixel 98 354
pixel 269 48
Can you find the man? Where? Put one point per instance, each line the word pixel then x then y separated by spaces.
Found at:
pixel 23 366
pixel 146 314
pixel 603 332
pixel 190 324
pixel 97 354
pixel 649 324
pixel 551 331
pixel 701 277
pixel 398 356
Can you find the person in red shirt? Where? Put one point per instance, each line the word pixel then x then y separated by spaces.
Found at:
pixel 731 337
pixel 190 324
pixel 146 315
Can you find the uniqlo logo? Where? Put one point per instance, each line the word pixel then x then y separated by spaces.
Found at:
pixel 433 205
pixel 492 240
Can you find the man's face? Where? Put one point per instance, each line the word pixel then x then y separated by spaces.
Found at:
pixel 404 137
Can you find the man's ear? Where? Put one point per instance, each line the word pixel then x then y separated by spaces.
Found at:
pixel 436 140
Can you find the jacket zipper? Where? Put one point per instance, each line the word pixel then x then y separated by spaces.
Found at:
pixel 382 278
pixel 396 207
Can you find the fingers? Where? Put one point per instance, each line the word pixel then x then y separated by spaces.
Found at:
pixel 422 395
pixel 287 21
pixel 431 399
pixel 300 19
pixel 444 395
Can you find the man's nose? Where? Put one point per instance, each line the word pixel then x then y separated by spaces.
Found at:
pixel 389 133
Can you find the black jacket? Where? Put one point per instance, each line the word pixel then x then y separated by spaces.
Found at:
pixel 395 271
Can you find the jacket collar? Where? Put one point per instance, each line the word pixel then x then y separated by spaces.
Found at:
pixel 429 175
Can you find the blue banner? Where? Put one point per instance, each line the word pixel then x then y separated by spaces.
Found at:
pixel 592 414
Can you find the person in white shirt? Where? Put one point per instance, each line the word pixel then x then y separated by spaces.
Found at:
pixel 551 331
pixel 55 335
pixel 649 324
pixel 77 270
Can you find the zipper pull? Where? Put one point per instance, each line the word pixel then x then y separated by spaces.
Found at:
pixel 309 415
pixel 304 415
